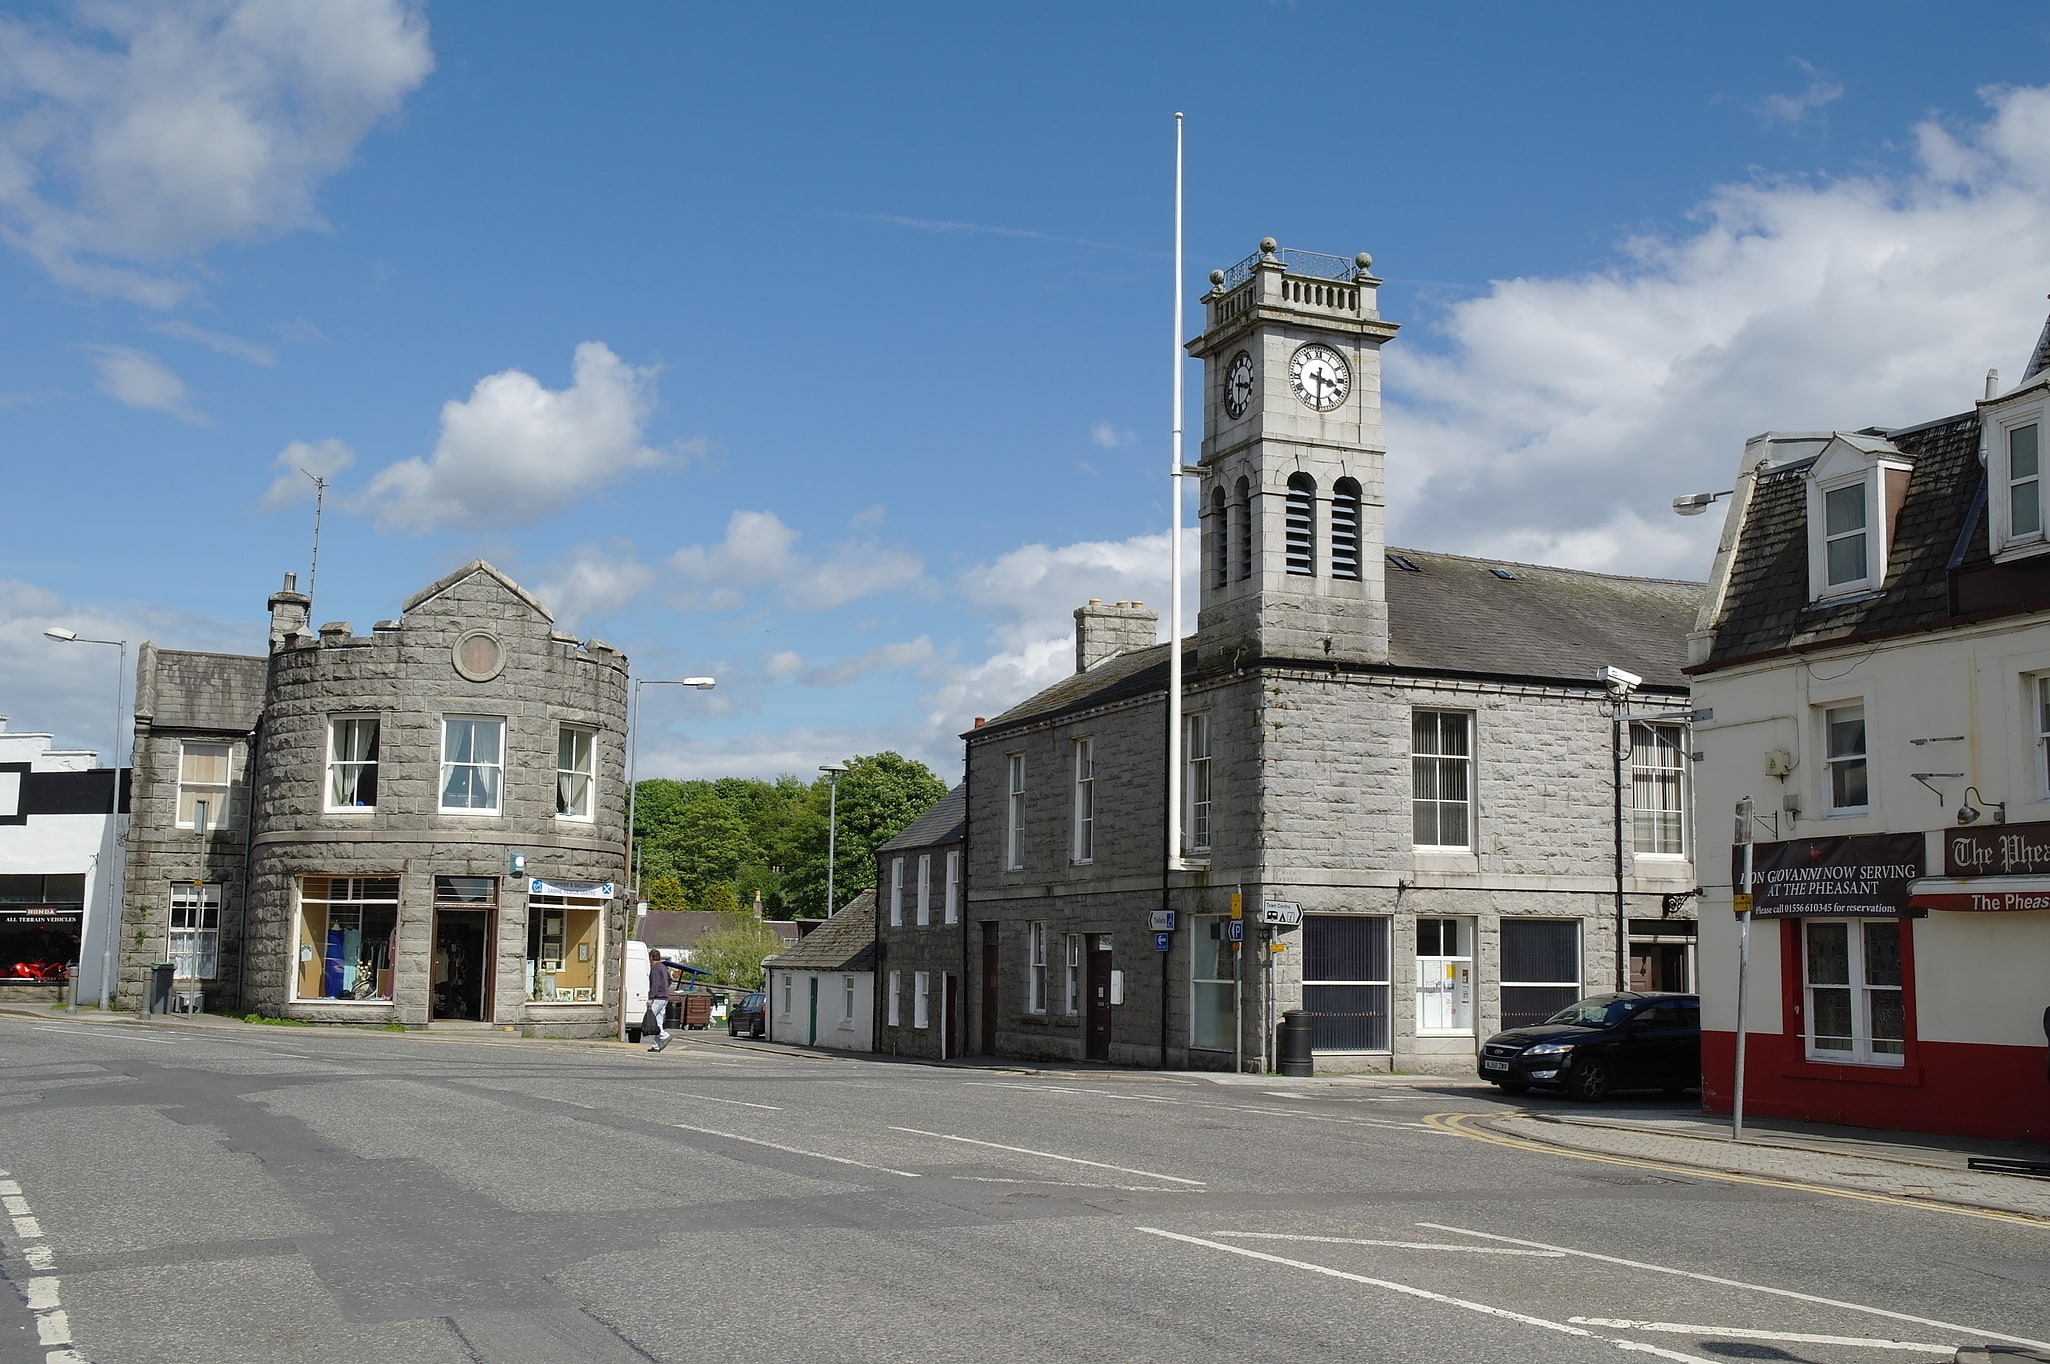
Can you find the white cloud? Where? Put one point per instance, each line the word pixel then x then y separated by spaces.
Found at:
pixel 219 341
pixel 1111 437
pixel 783 663
pixel 595 581
pixel 1566 413
pixel 323 459
pixel 140 136
pixel 911 653
pixel 1820 93
pixel 515 452
pixel 138 379
pixel 760 551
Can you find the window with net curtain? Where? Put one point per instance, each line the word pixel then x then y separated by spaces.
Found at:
pixel 1658 785
pixel 472 763
pixel 352 762
pixel 576 772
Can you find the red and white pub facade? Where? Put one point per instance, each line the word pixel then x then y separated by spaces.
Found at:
pixel 1874 655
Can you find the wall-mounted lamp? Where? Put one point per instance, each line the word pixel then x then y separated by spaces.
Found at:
pixel 1969 813
pixel 1694 504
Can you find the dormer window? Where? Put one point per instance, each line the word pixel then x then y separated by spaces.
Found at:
pixel 1855 490
pixel 2014 469
pixel 2024 482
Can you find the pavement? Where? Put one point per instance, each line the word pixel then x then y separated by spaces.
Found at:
pixel 1889 1165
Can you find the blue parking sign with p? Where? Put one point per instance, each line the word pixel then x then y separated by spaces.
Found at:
pixel 1238 930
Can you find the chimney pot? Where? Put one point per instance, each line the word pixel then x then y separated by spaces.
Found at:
pixel 980 722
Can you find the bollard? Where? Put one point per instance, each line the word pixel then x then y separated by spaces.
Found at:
pixel 1292 1044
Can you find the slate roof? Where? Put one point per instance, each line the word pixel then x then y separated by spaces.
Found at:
pixel 1456 616
pixel 946 822
pixel 222 693
pixel 1940 526
pixel 845 942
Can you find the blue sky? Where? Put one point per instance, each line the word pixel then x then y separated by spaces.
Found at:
pixel 826 349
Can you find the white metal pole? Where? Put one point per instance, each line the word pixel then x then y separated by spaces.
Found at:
pixel 1743 964
pixel 1174 545
pixel 832 832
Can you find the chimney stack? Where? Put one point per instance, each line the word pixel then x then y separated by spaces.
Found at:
pixel 289 608
pixel 1101 631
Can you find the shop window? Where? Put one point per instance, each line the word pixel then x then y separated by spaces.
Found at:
pixel 1213 982
pixel 195 931
pixel 1444 976
pixel 1441 778
pixel 1196 755
pixel 576 771
pixel 40 921
pixel 1345 981
pixel 954 887
pixel 203 775
pixel 1658 790
pixel 563 950
pixel 346 925
pixel 921 999
pixel 472 764
pixel 1036 959
pixel 352 762
pixel 924 889
pixel 1540 969
pixel 1852 974
pixel 1843 746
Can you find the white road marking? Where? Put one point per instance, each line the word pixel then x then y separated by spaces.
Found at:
pixel 1397 1245
pixel 1212 1104
pixel 41 1294
pixel 14 1205
pixel 1675 1328
pixel 742 1103
pixel 104 1031
pixel 8 1188
pixel 53 1328
pixel 1048 1155
pixel 1410 1290
pixel 792 1150
pixel 28 1229
pixel 1754 1287
pixel 39 1257
pixel 1063 1184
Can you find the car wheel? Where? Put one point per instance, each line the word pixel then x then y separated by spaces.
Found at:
pixel 760 1032
pixel 1588 1081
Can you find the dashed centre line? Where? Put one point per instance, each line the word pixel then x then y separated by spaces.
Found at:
pixel 1048 1155
pixel 42 1292
pixel 1753 1333
pixel 792 1150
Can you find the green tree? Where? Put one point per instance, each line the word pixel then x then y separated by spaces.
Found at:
pixel 879 796
pixel 733 951
pixel 720 899
pixel 666 893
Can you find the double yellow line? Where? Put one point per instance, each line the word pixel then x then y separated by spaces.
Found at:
pixel 1472 1126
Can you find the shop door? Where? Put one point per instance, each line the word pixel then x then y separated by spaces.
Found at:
pixel 989 989
pixel 1097 1047
pixel 462 965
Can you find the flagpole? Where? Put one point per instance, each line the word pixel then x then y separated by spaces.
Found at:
pixel 1174 546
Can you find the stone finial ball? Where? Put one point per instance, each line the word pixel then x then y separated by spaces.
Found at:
pixel 1268 245
pixel 1364 261
pixel 1217 276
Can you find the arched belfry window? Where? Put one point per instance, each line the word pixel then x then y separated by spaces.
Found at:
pixel 1242 509
pixel 1220 538
pixel 1302 524
pixel 1345 529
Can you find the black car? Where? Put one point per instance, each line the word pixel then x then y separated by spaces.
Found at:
pixel 748 1016
pixel 1632 1040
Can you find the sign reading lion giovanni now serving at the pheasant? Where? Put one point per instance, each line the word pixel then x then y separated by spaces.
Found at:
pixel 1820 878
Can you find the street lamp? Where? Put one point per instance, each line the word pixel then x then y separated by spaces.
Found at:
pixel 832 771
pixel 1694 504
pixel 633 744
pixel 110 929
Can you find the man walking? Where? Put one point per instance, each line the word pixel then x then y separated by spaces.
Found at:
pixel 658 999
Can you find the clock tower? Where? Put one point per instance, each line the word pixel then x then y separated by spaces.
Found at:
pixel 1292 500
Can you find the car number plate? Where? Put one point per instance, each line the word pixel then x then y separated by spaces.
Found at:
pixel 1494 1065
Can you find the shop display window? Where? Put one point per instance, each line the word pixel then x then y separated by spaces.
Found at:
pixel 346 927
pixel 563 949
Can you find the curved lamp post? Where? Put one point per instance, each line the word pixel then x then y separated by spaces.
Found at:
pixel 832 771
pixel 633 744
pixel 111 929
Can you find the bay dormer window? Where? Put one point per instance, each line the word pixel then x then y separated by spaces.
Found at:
pixel 2017 506
pixel 1855 490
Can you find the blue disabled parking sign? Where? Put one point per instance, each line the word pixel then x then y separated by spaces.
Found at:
pixel 1162 941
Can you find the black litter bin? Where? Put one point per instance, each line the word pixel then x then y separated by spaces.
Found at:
pixel 1292 1046
pixel 159 997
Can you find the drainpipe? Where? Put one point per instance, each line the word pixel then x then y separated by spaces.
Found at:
pixel 248 858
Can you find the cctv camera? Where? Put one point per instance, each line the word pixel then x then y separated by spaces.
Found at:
pixel 1617 678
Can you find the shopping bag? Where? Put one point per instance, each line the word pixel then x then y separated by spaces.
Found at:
pixel 649 1025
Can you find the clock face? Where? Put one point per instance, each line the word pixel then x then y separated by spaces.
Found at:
pixel 1238 385
pixel 1320 377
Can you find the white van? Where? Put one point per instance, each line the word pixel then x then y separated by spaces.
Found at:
pixel 633 994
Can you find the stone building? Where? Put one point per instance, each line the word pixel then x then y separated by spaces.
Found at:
pixel 1408 758
pixel 919 945
pixel 421 824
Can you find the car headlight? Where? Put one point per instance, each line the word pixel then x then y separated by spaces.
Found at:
pixel 1549 1049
